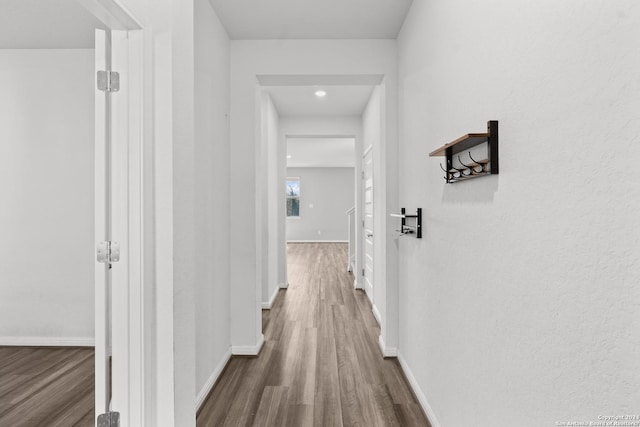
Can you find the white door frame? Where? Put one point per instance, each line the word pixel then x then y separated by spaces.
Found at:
pixel 357 201
pixel 128 350
pixel 385 177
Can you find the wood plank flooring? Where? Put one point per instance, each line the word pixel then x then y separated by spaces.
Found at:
pixel 320 364
pixel 46 387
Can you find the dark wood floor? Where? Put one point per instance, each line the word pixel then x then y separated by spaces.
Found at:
pixel 46 387
pixel 320 364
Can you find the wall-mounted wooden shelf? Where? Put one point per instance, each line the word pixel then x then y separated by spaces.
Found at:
pixel 462 171
pixel 461 144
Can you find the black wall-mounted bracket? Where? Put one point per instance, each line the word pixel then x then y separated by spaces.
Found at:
pixel 405 228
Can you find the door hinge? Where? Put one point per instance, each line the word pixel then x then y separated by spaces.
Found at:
pixel 363 223
pixel 110 419
pixel 362 174
pixel 108 81
pixel 108 252
pixel 363 271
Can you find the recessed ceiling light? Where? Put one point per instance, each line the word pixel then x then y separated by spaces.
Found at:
pixel 289 156
pixel 321 93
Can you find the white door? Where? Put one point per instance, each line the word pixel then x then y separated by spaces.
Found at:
pixel 114 381
pixel 102 227
pixel 367 176
pixel 111 227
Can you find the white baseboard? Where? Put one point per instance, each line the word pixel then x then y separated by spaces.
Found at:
pixel 422 399
pixel 283 285
pixel 317 241
pixel 387 351
pixel 368 292
pixel 356 284
pixel 206 389
pixel 47 341
pixel 376 314
pixel 248 350
pixel 267 305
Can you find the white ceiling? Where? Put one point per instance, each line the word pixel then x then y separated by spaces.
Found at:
pixel 46 24
pixel 301 100
pixel 321 152
pixel 312 19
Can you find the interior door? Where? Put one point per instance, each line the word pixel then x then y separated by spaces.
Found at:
pixel 102 229
pixel 115 379
pixel 367 175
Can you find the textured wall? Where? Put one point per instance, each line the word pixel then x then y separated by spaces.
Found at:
pixel 521 304
pixel 212 195
pixel 269 152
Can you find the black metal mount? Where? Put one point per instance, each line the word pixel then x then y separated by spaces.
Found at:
pixel 405 228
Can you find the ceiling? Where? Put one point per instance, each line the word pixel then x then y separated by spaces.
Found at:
pixel 301 101
pixel 321 152
pixel 46 24
pixel 312 19
pixel 42 24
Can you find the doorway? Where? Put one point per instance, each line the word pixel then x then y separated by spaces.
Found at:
pixel 301 113
pixel 320 189
pixel 47 219
pixel 49 295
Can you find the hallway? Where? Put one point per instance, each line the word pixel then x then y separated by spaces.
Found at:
pixel 320 364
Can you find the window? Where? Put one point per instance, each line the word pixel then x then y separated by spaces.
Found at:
pixel 293 197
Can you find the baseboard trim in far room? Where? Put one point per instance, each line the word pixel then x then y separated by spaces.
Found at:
pixel 211 382
pixel 417 391
pixel 317 241
pixel 248 350
pixel 267 305
pixel 47 342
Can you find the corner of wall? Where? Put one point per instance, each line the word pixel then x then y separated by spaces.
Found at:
pixel 266 305
pixel 386 350
pixel 248 350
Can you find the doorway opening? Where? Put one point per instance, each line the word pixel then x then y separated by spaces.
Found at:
pixel 300 106
pixel 320 200
pixel 314 132
pixel 49 164
pixel 47 219
pixel 320 188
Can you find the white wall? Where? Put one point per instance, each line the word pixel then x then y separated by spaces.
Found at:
pixel 46 191
pixel 326 193
pixel 375 122
pixel 212 197
pixel 520 304
pixel 250 58
pixel 267 183
pixel 273 206
pixel 185 207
